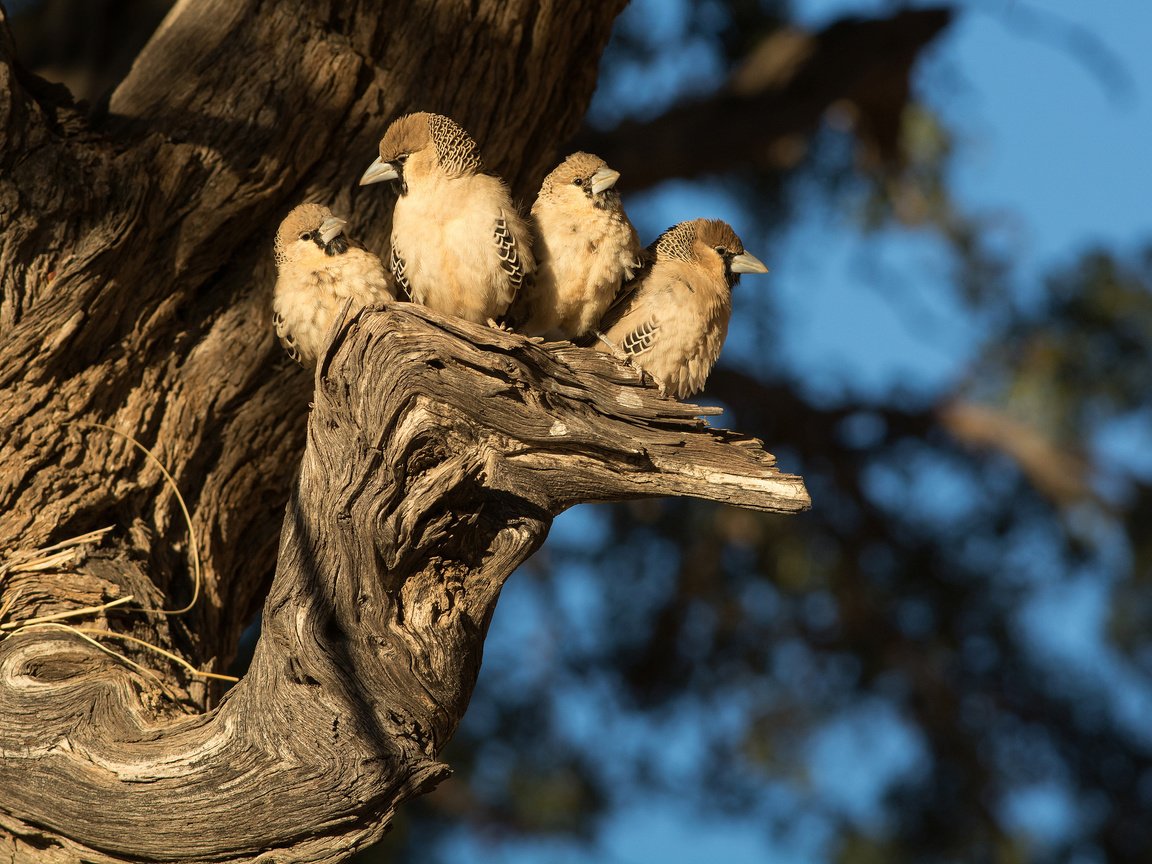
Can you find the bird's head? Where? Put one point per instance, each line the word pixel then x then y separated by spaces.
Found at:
pixel 420 144
pixel 711 244
pixel 582 176
pixel 310 230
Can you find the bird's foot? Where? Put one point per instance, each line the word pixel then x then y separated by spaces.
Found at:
pixel 613 349
pixel 500 325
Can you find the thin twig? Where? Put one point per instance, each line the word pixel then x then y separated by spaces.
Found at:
pixel 70 629
pixel 71 613
pixel 87 632
pixel 193 546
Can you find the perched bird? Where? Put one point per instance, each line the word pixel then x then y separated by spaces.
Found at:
pixel 318 269
pixel 672 323
pixel 585 250
pixel 458 244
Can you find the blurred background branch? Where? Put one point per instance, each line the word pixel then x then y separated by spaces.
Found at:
pixel 763 116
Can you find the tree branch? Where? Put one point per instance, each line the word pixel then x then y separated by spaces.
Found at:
pixel 772 104
pixel 438 453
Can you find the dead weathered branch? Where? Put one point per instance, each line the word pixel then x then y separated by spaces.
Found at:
pixel 438 453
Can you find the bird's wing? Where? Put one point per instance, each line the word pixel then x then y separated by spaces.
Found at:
pixel 510 260
pixel 647 306
pixel 397 266
pixel 641 260
pixel 641 337
pixel 285 337
pixel 633 267
pixel 520 310
pixel 626 293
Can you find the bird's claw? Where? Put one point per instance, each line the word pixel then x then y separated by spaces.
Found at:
pixel 613 349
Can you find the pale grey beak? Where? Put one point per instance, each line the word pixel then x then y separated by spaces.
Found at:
pixel 331 228
pixel 603 179
pixel 746 263
pixel 378 172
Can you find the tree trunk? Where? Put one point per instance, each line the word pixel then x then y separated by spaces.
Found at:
pixel 135 259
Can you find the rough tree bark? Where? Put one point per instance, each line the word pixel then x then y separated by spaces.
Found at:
pixel 135 275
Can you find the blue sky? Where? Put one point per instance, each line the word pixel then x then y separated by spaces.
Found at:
pixel 1048 144
pixel 1053 103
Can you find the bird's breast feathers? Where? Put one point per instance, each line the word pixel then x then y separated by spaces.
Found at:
pixel 451 238
pixel 587 258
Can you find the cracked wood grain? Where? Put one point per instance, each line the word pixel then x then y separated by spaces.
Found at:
pixel 438 452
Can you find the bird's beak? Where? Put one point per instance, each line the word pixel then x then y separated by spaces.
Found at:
pixel 379 171
pixel 331 228
pixel 746 263
pixel 603 179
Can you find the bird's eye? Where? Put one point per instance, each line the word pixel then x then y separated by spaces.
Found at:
pixel 402 158
pixel 579 181
pixel 722 250
pixel 306 236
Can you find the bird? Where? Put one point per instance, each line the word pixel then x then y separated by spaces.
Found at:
pixel 586 248
pixel 459 245
pixel 318 269
pixel 673 320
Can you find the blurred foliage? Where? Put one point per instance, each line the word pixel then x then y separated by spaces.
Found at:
pixel 918 613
